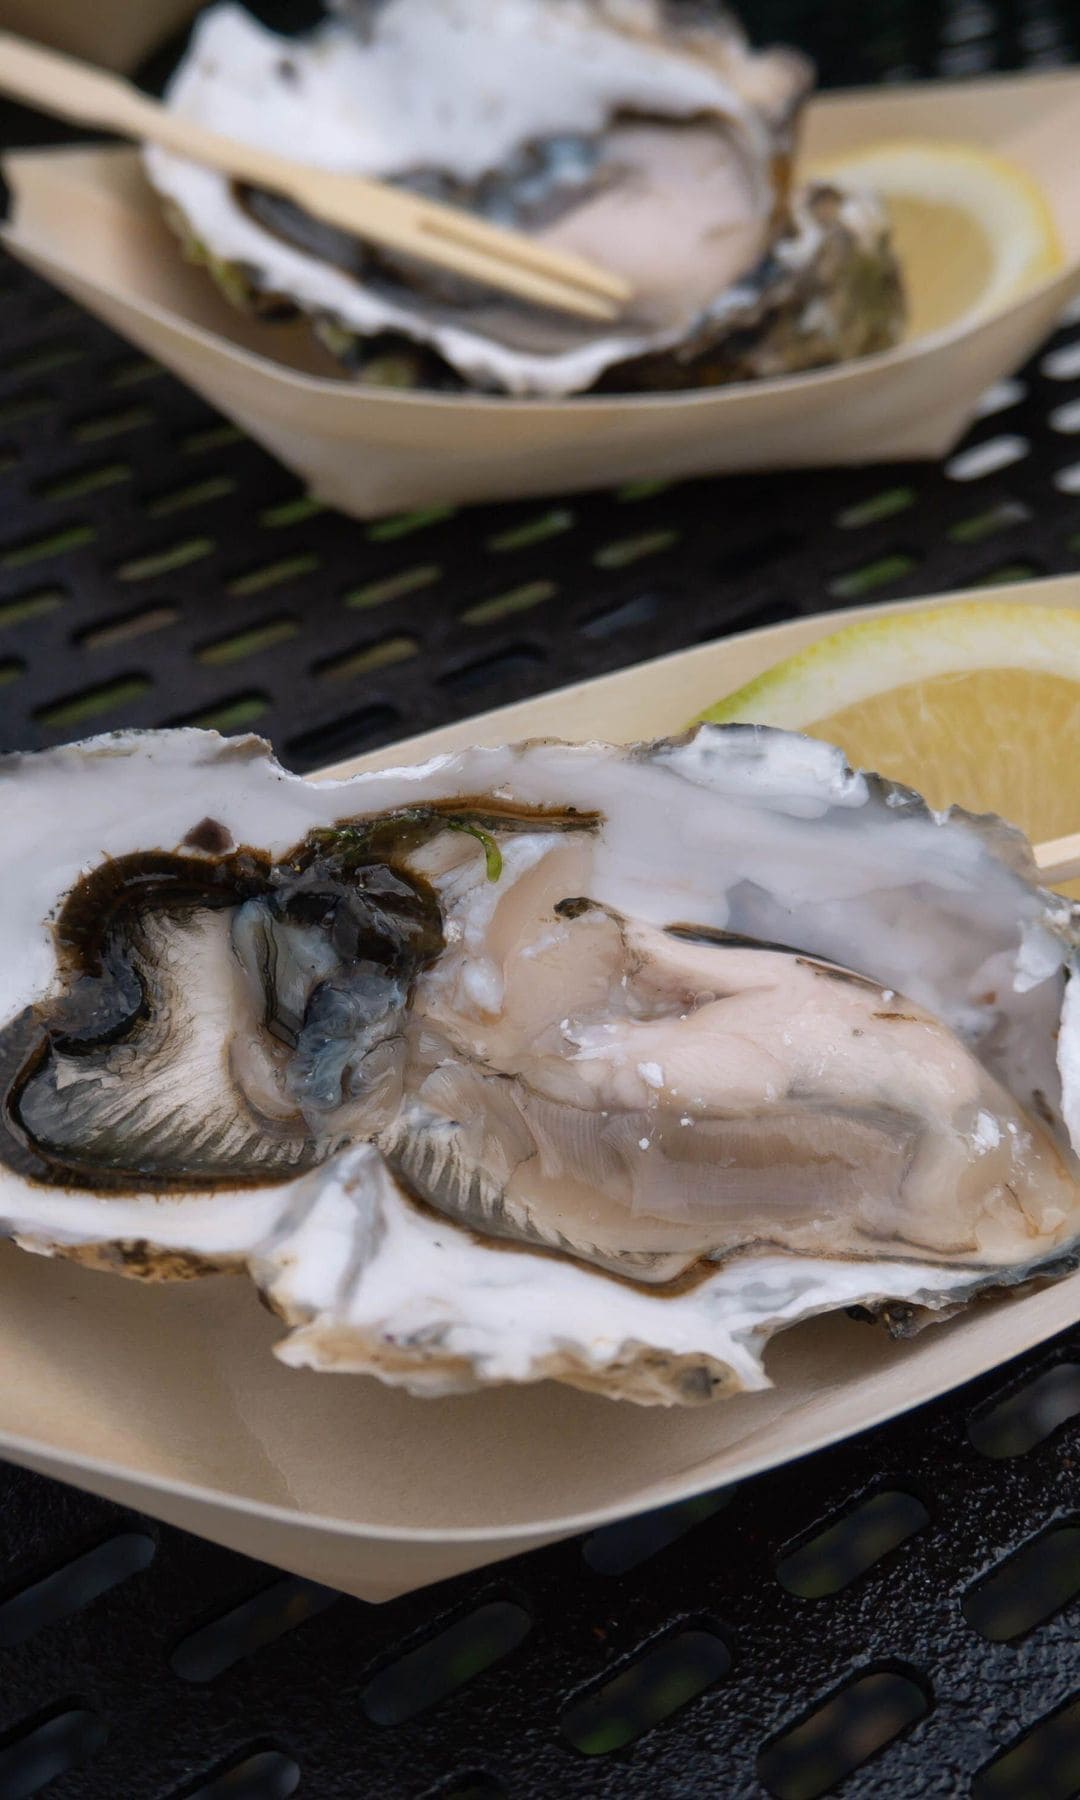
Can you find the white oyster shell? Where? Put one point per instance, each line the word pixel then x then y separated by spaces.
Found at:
pixel 736 829
pixel 688 198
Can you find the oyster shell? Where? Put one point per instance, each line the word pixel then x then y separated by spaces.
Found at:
pixel 658 144
pixel 550 1060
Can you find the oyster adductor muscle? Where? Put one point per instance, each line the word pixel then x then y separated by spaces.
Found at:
pixel 550 1060
pixel 657 144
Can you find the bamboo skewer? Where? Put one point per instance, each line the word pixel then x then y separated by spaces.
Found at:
pixel 1059 859
pixel 446 236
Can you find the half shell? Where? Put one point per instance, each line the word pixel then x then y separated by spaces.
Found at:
pixel 550 1060
pixel 659 145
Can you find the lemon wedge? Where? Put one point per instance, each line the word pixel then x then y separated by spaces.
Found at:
pixel 977 703
pixel 972 229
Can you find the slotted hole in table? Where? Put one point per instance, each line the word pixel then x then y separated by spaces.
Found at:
pixel 971 20
pixel 210 437
pixel 873 575
pixel 641 610
pixel 367 658
pixel 648 488
pixel 31 606
pixel 533 531
pixel 445 1662
pixel 44 358
pixel 165 561
pixel 991 520
pixel 1006 573
pixel 387 531
pixel 96 427
pixel 1014 1425
pixel 958 60
pixel 260 1620
pixel 37 1752
pixel 987 457
pixel 1044 1764
pixel 36 549
pixel 1000 398
pixel 850 1545
pixel 625 1545
pixel 195 493
pixel 133 371
pixel 73 1585
pixel 1063 362
pixel 291 512
pixel 78 482
pixel 239 645
pixel 854 1724
pixel 663 1677
pixel 1066 418
pixel 338 737
pixel 23 407
pixel 91 703
pixel 258 1775
pixel 393 587
pixel 231 714
pixel 514 600
pixel 1027 1587
pixel 883 505
pixel 623 551
pixel 123 627
pixel 489 671
pixel 273 574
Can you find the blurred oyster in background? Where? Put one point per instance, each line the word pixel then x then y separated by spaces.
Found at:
pixel 652 140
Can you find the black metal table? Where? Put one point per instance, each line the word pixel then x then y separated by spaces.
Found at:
pixel 891 1619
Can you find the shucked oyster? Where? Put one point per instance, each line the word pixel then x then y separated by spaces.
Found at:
pixel 655 142
pixel 551 1060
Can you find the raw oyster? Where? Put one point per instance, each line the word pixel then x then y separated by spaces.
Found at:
pixel 651 139
pixel 550 1060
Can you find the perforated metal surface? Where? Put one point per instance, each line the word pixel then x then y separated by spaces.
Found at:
pixel 722 1625
pixel 155 567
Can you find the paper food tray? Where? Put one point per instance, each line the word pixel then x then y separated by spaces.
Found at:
pixel 87 220
pixel 168 1398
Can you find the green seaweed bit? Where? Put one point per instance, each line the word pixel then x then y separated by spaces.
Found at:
pixel 229 277
pixel 335 338
pixel 232 282
pixel 492 853
pixel 349 846
pixel 391 371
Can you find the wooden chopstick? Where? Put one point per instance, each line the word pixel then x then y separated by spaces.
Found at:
pixel 1058 859
pixel 67 88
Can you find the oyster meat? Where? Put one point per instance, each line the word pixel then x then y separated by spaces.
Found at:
pixel 554 1060
pixel 650 138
